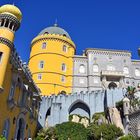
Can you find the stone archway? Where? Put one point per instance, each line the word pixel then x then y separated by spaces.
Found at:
pixel 112 85
pixel 20 127
pixel 79 108
pixel 20 131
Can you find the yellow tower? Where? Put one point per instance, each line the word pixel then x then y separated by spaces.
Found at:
pixel 51 60
pixel 10 17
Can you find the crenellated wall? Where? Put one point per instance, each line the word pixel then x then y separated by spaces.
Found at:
pixel 56 109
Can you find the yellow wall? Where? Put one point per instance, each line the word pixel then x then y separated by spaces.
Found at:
pixel 7 113
pixel 6 73
pixel 53 57
pixel 5 33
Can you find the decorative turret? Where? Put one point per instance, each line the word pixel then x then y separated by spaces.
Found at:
pixel 10 18
pixel 126 106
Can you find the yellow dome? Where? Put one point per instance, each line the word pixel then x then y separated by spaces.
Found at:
pixel 11 9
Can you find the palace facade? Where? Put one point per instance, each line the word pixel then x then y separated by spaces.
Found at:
pixel 19 96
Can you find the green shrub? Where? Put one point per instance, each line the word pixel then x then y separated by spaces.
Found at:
pixel 2 138
pixel 97 116
pixel 47 134
pixel 108 132
pixel 128 137
pixel 71 130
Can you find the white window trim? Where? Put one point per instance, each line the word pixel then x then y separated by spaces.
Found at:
pixel 95 68
pixel 63 67
pixel 126 70
pixel 44 44
pixel 63 79
pixel 65 49
pixel 82 69
pixel 39 75
pixel 41 64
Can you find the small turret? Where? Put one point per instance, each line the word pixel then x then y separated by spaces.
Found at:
pixel 10 18
pixel 126 106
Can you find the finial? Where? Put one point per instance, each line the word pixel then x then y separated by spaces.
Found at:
pixel 13 3
pixel 56 25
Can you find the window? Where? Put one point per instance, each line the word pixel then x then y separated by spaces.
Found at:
pixel 82 68
pixel 41 64
pixel 137 72
pixel 81 81
pixel 1 56
pixel 126 70
pixel 95 68
pixel 63 67
pixel 6 128
pixel 39 76
pixel 110 58
pixel 12 91
pixel 63 79
pixel 44 45
pixel 127 82
pixel 95 80
pixel 64 48
pixel 110 68
pixel 23 98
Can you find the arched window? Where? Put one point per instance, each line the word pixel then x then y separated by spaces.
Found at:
pixel 41 64
pixel 82 68
pixel 63 78
pixel 63 67
pixel 6 128
pixel 110 68
pixel 12 92
pixel 64 48
pixel 1 53
pixel 44 44
pixel 95 68
pixel 137 72
pixel 126 70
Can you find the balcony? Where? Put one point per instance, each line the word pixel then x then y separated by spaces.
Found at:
pixel 112 73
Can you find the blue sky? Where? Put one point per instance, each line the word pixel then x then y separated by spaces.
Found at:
pixel 112 24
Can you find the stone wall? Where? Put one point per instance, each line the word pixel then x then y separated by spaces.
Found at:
pixel 56 109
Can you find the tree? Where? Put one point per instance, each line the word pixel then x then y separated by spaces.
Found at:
pixel 64 131
pixel 71 131
pixel 47 134
pixel 128 137
pixel 131 92
pixel 2 138
pixel 108 132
